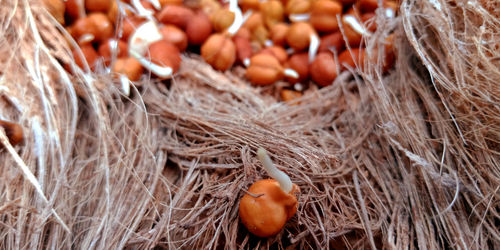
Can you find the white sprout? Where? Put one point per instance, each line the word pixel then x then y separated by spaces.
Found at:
pixel 144 35
pixel 313 47
pixel 86 38
pixel 238 17
pixel 389 13
pixel 156 4
pixel 125 84
pixel 246 62
pixel 291 73
pixel 282 178
pixel 160 71
pixel 141 11
pixel 353 22
pixel 304 17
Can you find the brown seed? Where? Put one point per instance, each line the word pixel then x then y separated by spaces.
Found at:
pixel 299 35
pixel 84 30
pixel 272 11
pixel 73 9
pixel 289 95
pixel 323 69
pixel 176 15
pixel 243 48
pixel 297 6
pixel 198 29
pixel 255 20
pixel 128 66
pixel 13 131
pixel 278 33
pixel 276 51
pixel 90 56
pixel 104 27
pixel 98 5
pixel 113 12
pixel 222 19
pixel 244 33
pixel 209 7
pixel 352 58
pixel 105 49
pixel 219 51
pixel 264 69
pixel 175 36
pixel 324 15
pixel 260 34
pixel 347 2
pixel 170 2
pixel 300 63
pixel 165 54
pixel 56 9
pixel 367 5
pixel 249 4
pixel 333 41
pixel 353 37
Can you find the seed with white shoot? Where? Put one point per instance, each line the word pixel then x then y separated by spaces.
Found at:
pixel 282 178
pixel 145 35
pixel 355 25
pixel 268 203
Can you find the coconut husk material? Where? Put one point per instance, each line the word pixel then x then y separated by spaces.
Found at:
pixel 405 159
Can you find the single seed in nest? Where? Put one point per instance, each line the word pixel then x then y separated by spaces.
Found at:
pixel 219 51
pixel 323 69
pixel 265 215
pixel 13 131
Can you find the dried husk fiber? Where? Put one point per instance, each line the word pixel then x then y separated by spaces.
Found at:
pixel 408 159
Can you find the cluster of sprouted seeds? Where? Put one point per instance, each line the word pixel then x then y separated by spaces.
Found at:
pixel 297 41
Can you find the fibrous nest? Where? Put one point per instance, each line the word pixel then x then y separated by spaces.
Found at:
pixel 408 159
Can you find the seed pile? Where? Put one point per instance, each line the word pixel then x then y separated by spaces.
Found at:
pixel 292 40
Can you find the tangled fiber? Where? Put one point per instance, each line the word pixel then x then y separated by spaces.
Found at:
pixel 406 160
